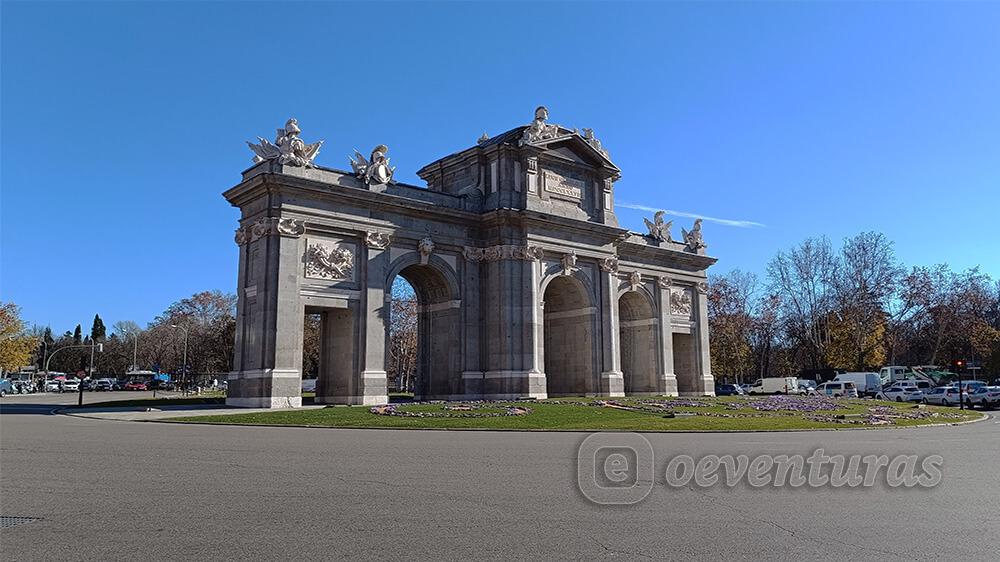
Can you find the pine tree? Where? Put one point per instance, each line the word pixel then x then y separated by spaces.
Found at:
pixel 77 335
pixel 98 332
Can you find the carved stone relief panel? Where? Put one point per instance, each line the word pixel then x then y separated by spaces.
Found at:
pixel 329 260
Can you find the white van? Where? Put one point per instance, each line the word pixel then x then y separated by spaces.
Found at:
pixel 776 385
pixel 868 384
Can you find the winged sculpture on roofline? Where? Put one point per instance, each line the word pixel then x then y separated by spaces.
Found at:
pixel 658 229
pixel 287 147
pixel 375 170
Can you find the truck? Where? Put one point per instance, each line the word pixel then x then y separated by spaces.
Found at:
pixel 776 385
pixel 868 384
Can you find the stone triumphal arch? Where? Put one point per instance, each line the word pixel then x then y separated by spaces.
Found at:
pixel 526 286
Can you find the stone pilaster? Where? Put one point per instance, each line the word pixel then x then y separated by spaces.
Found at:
pixel 706 380
pixel 372 386
pixel 269 371
pixel 666 379
pixel 612 381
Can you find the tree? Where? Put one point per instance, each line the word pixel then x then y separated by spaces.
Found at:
pixel 731 323
pixel 865 282
pixel 402 361
pixel 77 335
pixel 804 278
pixel 98 332
pixel 209 317
pixel 15 346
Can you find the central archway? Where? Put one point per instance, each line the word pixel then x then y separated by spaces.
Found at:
pixel 568 341
pixel 438 326
pixel 637 331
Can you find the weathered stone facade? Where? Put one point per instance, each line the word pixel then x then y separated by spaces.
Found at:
pixel 527 286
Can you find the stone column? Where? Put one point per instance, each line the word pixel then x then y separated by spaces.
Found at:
pixel 706 381
pixel 666 379
pixel 612 381
pixel 269 372
pixel 372 386
pixel 537 387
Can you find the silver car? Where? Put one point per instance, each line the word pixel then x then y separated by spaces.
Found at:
pixel 942 396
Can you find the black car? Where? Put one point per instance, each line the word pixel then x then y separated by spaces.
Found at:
pixel 728 390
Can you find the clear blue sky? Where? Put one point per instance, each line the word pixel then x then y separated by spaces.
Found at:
pixel 122 123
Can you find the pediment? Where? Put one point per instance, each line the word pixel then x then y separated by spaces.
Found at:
pixel 576 149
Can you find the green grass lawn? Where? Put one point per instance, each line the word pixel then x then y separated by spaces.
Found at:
pixel 588 414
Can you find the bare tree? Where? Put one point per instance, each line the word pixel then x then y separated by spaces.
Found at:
pixel 804 278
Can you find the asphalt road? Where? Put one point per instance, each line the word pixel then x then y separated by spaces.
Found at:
pixel 123 490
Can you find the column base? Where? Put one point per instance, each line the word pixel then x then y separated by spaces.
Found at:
pixel 264 388
pixel 511 385
pixel 668 385
pixel 612 384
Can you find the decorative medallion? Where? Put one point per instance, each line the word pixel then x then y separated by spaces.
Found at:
pixel 426 248
pixel 609 264
pixel 569 263
pixel 634 280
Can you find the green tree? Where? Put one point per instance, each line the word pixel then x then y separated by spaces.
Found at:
pixel 98 332
pixel 77 335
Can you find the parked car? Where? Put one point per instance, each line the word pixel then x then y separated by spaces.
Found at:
pixel 53 385
pixel 104 385
pixel 837 389
pixel 728 390
pixel 942 395
pixel 776 385
pixel 87 384
pixel 901 393
pixel 913 383
pixel 159 384
pixel 136 385
pixel 985 396
pixel 807 385
pixel 71 385
pixel 868 384
pixel 746 388
pixel 6 388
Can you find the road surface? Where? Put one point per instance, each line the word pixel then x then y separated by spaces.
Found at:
pixel 124 490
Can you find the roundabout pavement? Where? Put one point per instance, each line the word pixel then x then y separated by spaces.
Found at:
pixel 102 489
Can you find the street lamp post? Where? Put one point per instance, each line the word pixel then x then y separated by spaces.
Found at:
pixel 92 345
pixel 185 360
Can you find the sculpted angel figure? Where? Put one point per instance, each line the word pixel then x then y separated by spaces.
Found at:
pixel 658 229
pixel 693 239
pixel 376 170
pixel 287 148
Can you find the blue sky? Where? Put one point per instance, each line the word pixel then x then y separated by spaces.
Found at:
pixel 122 123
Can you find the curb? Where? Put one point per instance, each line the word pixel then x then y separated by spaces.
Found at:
pixel 984 416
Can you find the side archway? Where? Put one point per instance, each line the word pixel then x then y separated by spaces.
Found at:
pixel 439 332
pixel 637 336
pixel 568 347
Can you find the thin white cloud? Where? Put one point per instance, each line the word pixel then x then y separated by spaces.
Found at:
pixel 727 222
